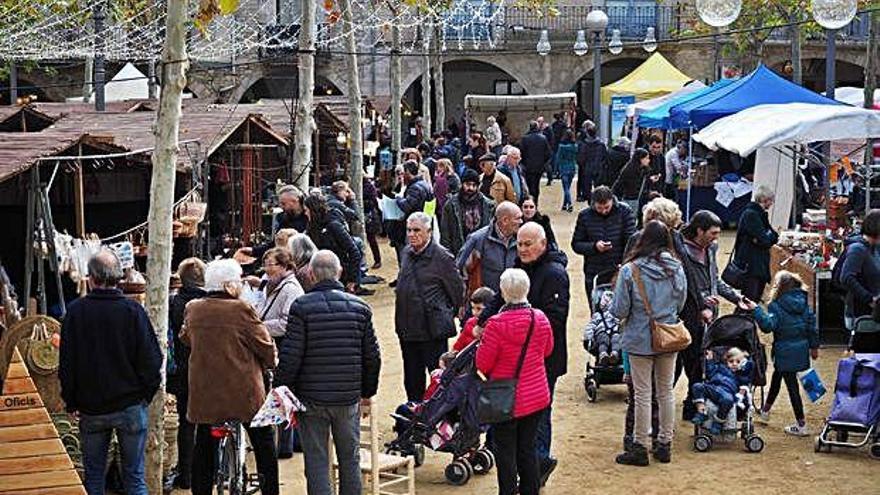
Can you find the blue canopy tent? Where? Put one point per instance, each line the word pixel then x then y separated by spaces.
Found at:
pixel 660 118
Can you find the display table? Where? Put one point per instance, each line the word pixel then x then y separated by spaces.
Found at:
pixel 703 198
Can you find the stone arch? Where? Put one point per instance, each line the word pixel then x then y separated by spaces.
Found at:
pixel 413 67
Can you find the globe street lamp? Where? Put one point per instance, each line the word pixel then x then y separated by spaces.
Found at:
pixel 596 23
pixel 832 15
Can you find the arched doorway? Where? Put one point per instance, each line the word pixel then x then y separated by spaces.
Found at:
pixel 612 71
pixel 461 78
pixel 325 87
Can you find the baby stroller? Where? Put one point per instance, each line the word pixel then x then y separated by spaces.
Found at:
pixel 735 331
pixel 855 413
pixel 601 338
pixel 446 422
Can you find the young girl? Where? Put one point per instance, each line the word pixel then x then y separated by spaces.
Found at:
pixel 795 341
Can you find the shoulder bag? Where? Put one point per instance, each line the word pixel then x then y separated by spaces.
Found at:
pixel 497 397
pixel 665 337
pixel 734 273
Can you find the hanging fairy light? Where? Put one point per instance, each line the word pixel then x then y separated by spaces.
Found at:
pixel 543 45
pixel 650 43
pixel 615 46
pixel 834 14
pixel 580 45
pixel 718 13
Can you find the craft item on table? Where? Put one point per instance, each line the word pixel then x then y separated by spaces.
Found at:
pixel 390 210
pixel 280 407
pixel 125 252
pixel 726 192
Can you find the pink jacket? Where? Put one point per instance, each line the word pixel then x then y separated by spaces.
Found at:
pixel 499 352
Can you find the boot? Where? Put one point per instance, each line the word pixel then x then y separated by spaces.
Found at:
pixel 637 456
pixel 663 452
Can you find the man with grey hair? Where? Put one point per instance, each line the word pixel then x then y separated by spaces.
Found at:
pixel 333 375
pixel 109 371
pixel 549 292
pixel 429 293
pixel 490 250
pixel 754 238
pixel 509 165
pixel 292 216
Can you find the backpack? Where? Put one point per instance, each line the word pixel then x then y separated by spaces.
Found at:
pixel 836 272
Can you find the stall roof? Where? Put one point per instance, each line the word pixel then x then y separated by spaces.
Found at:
pixel 21 150
pixel 524 102
pixel 655 77
pixel 660 118
pixel 58 110
pixel 762 86
pixel 855 96
pixel 769 125
pixel 645 106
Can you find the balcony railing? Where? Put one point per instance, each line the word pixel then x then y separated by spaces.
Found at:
pixel 857 30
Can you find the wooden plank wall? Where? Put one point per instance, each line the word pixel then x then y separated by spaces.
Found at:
pixel 32 458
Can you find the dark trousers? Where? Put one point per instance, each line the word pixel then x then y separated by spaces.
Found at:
pixel 186 433
pixel 584 185
pixel 544 434
pixel 630 421
pixel 588 287
pixel 753 288
pixel 794 392
pixel 419 359
pixel 204 459
pixel 533 182
pixel 515 455
pixel 374 247
pixel 690 362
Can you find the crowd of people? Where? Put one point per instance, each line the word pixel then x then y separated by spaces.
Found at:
pixel 494 268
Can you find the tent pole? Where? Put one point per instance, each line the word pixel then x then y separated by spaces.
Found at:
pixel 690 163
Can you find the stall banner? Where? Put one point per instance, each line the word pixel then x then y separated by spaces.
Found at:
pixel 619 105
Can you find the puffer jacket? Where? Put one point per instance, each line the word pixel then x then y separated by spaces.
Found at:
pixel 493 253
pixel 334 236
pixel 274 308
pixel 452 233
pixel 793 325
pixel 330 356
pixel 427 279
pixel 666 287
pixel 500 349
pixel 591 227
pixel 418 192
pixel 721 376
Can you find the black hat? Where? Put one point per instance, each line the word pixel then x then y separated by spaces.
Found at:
pixel 470 175
pixel 488 157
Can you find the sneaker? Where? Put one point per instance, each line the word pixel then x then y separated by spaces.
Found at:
pixel 797 430
pixel 663 453
pixel 764 417
pixel 637 456
pixel 548 465
pixel 603 358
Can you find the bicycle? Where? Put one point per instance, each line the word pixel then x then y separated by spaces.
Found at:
pixel 231 469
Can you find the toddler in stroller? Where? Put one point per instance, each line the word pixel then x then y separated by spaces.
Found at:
pixel 727 384
pixel 602 339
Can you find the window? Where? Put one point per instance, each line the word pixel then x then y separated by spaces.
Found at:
pixel 508 87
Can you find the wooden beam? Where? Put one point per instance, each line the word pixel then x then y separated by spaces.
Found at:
pixel 79 204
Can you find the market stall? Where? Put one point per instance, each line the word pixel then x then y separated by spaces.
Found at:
pixel 519 110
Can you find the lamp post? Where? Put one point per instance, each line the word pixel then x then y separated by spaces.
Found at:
pixel 596 23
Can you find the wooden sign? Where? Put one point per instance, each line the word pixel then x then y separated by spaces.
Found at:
pixel 32 458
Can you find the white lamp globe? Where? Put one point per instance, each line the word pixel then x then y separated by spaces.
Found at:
pixel 718 13
pixel 834 14
pixel 543 46
pixel 615 46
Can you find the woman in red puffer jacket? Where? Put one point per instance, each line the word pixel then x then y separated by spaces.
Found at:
pixel 497 358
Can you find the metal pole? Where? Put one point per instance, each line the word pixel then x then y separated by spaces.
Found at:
pixel 830 62
pixel 690 164
pixel 151 80
pixel 597 81
pixel 716 52
pixel 98 17
pixel 13 83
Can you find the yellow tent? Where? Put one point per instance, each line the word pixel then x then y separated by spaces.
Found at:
pixel 655 77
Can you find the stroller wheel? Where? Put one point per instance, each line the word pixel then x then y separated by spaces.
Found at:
pixel 482 461
pixel 592 390
pixel 702 443
pixel 875 450
pixel 818 444
pixel 754 444
pixel 419 455
pixel 457 473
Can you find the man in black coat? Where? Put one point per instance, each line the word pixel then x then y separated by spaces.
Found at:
pixel 549 291
pixel 618 156
pixel 109 371
pixel 418 192
pixel 592 158
pixel 429 293
pixel 601 234
pixel 754 238
pixel 536 157
pixel 330 359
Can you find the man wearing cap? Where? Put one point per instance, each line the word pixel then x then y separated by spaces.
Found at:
pixel 676 166
pixel 464 213
pixel 493 184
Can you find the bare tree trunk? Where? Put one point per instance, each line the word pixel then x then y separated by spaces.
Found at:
pixel 396 93
pixel 427 129
pixel 797 75
pixel 354 115
pixel 164 160
pixel 872 65
pixel 439 90
pixel 305 123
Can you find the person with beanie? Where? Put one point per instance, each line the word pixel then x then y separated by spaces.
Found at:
pixel 464 213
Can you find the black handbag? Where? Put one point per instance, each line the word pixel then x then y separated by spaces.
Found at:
pixel 497 397
pixel 734 274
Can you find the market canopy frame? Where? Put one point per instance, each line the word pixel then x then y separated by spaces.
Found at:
pixel 654 78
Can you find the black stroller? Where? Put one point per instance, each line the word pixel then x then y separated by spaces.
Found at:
pixel 740 331
pixel 446 422
pixel 600 373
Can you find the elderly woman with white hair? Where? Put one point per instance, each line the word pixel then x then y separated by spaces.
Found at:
pixel 515 344
pixel 230 348
pixel 754 238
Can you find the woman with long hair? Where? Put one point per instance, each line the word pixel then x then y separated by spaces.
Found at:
pixel 328 232
pixel 629 187
pixel 651 280
pixel 531 214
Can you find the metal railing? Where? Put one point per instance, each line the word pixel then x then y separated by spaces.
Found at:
pixel 857 30
pixel 632 21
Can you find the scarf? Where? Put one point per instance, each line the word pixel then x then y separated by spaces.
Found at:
pixel 472 210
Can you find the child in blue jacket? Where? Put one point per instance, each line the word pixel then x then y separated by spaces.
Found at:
pixel 726 384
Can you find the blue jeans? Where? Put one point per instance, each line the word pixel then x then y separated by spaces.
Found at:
pixel 720 397
pixel 130 426
pixel 545 431
pixel 315 425
pixel 567 179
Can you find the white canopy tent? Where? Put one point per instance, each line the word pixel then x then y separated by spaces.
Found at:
pixel 854 96
pixel 772 130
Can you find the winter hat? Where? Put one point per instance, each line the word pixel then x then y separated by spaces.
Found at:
pixel 470 175
pixel 488 157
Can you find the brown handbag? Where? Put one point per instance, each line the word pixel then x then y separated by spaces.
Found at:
pixel 665 337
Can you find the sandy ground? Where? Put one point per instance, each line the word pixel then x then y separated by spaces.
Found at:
pixel 587 436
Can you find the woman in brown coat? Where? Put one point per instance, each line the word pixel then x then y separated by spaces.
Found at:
pixel 230 350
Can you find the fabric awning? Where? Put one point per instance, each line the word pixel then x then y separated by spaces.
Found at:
pixel 655 77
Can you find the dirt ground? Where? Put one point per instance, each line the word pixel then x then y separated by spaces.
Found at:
pixel 587 436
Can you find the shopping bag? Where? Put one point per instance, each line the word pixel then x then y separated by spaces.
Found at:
pixel 812 384
pixel 280 406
